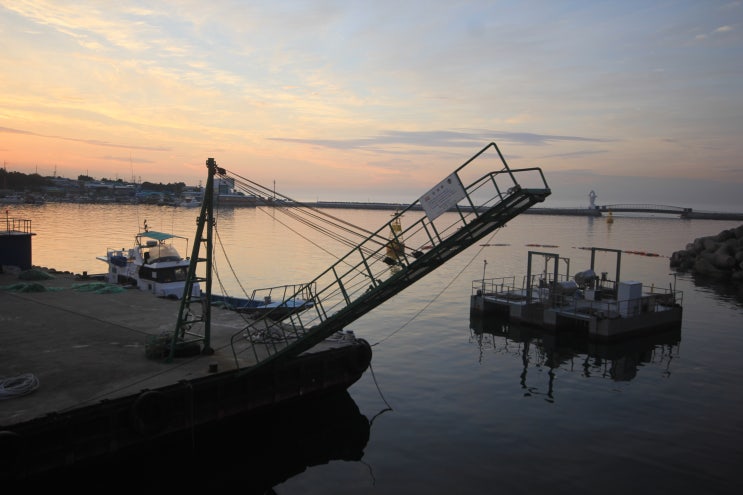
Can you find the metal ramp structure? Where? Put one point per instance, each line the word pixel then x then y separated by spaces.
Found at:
pixel 479 197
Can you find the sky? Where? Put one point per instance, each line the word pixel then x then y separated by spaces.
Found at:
pixel 638 101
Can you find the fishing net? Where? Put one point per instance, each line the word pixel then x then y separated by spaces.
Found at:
pixel 35 274
pixel 98 288
pixel 158 346
pixel 25 287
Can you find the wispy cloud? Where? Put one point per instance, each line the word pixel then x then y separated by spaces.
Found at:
pixel 93 142
pixel 14 131
pixel 439 139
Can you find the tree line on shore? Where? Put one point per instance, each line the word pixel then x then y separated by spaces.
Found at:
pixel 20 182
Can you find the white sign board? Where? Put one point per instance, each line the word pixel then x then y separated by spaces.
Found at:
pixel 445 195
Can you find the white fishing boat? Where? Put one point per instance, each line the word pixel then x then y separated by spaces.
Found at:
pixel 190 202
pixel 152 265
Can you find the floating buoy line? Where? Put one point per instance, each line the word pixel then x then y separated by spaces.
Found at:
pixel 639 253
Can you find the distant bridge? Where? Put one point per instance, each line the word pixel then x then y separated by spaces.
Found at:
pixel 598 211
pixel 682 212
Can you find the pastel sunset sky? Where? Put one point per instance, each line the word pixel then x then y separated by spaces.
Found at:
pixel 640 101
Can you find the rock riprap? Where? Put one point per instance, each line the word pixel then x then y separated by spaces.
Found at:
pixel 719 256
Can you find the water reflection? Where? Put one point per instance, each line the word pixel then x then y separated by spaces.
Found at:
pixel 541 350
pixel 723 288
pixel 259 450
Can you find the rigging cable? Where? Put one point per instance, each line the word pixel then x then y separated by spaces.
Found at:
pixel 440 292
pixel 315 213
pixel 389 407
pixel 295 213
pixel 311 213
pixel 318 212
pixel 340 239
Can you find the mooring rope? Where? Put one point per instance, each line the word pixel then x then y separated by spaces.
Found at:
pixel 17 386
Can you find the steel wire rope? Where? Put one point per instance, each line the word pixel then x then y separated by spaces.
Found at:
pixel 215 269
pixel 370 236
pixel 374 377
pixel 410 320
pixel 323 230
pixel 379 390
pixel 248 321
pixel 369 253
pixel 253 333
pixel 353 285
pixel 311 212
pixel 249 325
pixel 258 187
pixel 307 210
pixel 227 259
pixel 229 263
pixel 295 214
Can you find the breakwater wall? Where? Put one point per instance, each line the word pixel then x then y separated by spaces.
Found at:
pixel 688 214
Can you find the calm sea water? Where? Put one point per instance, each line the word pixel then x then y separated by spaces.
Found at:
pixel 459 406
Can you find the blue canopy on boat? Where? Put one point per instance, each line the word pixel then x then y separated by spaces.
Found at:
pixel 160 236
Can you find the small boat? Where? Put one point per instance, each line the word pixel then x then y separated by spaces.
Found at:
pixel 587 304
pixel 267 307
pixel 152 265
pixel 190 202
pixel 12 199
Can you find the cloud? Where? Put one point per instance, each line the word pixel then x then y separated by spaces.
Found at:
pixel 440 139
pixel 722 30
pixel 125 159
pixel 93 142
pixel 15 131
pixel 575 154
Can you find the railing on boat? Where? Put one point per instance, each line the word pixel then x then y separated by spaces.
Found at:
pixel 290 293
pixel 548 292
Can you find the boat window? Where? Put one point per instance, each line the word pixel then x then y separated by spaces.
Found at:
pixel 145 272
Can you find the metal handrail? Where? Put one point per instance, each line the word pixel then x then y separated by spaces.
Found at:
pixel 367 276
pixel 17 226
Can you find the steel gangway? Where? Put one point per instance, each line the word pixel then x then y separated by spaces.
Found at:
pixel 476 199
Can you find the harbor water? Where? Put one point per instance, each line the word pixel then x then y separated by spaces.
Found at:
pixel 453 404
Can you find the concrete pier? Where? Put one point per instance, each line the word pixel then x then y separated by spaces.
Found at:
pixel 98 391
